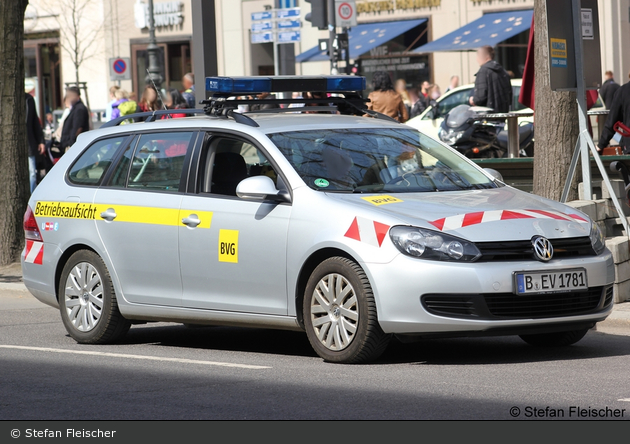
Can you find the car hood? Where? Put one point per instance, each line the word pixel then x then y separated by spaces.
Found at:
pixel 499 214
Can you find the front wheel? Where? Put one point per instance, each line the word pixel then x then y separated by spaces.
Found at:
pixel 87 301
pixel 558 339
pixel 340 314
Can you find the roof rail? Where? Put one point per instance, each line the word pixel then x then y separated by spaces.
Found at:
pixel 151 115
pixel 351 104
pixel 225 106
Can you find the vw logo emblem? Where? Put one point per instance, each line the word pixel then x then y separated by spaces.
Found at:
pixel 543 250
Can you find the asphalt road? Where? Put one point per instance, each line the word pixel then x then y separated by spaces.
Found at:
pixel 168 371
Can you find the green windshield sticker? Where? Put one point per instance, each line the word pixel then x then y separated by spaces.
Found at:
pixel 322 183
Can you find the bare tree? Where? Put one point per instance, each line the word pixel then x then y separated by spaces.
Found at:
pixel 79 31
pixel 14 189
pixel 556 120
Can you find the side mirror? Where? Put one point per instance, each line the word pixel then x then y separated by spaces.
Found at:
pixel 260 188
pixel 494 173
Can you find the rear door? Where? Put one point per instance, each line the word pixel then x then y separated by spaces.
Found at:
pixel 239 264
pixel 138 217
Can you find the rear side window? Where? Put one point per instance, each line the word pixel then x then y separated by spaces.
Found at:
pixel 92 165
pixel 157 162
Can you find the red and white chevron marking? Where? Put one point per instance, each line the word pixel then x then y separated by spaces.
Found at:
pixel 481 217
pixel 34 253
pixel 368 231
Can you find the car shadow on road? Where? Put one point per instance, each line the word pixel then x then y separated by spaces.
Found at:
pixel 456 351
pixel 251 340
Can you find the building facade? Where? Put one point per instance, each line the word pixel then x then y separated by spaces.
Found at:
pixel 66 39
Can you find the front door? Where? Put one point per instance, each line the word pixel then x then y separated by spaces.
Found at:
pixel 239 264
pixel 138 217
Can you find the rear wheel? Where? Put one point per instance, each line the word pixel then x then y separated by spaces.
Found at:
pixel 340 314
pixel 558 339
pixel 87 301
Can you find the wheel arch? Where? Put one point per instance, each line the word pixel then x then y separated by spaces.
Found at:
pixel 64 259
pixel 307 269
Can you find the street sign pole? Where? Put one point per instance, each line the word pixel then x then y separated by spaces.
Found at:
pixel 332 30
pixel 585 141
pixel 276 58
pixel 581 98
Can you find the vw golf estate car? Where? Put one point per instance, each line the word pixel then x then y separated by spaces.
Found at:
pixel 350 228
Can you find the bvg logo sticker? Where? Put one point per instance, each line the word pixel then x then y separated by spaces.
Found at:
pixel 382 200
pixel 228 246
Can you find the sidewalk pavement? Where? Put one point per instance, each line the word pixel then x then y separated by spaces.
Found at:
pixel 11 279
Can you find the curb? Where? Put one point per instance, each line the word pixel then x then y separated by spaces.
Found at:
pixel 13 286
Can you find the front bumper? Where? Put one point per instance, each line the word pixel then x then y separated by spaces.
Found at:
pixel 402 286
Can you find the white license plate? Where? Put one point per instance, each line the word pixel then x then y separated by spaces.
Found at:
pixel 551 281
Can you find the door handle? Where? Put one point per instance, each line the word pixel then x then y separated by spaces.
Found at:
pixel 192 221
pixel 109 214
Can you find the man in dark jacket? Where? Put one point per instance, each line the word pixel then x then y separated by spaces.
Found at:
pixel 608 89
pixel 492 83
pixel 619 112
pixel 77 122
pixel 35 139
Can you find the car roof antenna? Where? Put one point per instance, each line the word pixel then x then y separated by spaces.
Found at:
pixel 159 93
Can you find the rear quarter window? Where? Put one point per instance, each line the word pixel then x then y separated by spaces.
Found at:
pixel 92 164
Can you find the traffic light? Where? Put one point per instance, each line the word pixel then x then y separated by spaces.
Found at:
pixel 319 13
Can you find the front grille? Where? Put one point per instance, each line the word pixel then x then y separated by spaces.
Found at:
pixel 511 306
pixel 543 305
pixel 523 250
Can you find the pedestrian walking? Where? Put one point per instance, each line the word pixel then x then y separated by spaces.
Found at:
pixel 492 83
pixel 77 121
pixel 385 100
pixel 454 83
pixel 123 106
pixel 112 100
pixel 35 137
pixel 189 89
pixel 423 100
pixel 401 88
pixel 174 100
pixel 608 89
pixel 619 112
pixel 149 100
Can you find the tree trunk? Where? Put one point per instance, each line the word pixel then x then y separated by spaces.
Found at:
pixel 556 120
pixel 14 187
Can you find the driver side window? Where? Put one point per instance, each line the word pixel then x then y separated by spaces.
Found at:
pixel 227 161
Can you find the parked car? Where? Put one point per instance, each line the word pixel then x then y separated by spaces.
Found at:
pixel 431 119
pixel 348 228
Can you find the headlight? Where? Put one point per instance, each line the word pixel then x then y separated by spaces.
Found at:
pixel 449 137
pixel 597 239
pixel 428 244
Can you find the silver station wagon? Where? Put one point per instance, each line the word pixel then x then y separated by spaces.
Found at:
pixel 314 218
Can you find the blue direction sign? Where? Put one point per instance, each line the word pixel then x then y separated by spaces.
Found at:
pixel 289 36
pixel 262 37
pixel 262 26
pixel 289 24
pixel 287 13
pixel 265 15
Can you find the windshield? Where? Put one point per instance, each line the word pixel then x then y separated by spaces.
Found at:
pixel 377 160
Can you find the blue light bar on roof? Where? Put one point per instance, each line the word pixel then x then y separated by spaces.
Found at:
pixel 257 85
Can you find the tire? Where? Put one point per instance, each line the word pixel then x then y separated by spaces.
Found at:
pixel 340 314
pixel 558 339
pixel 87 301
